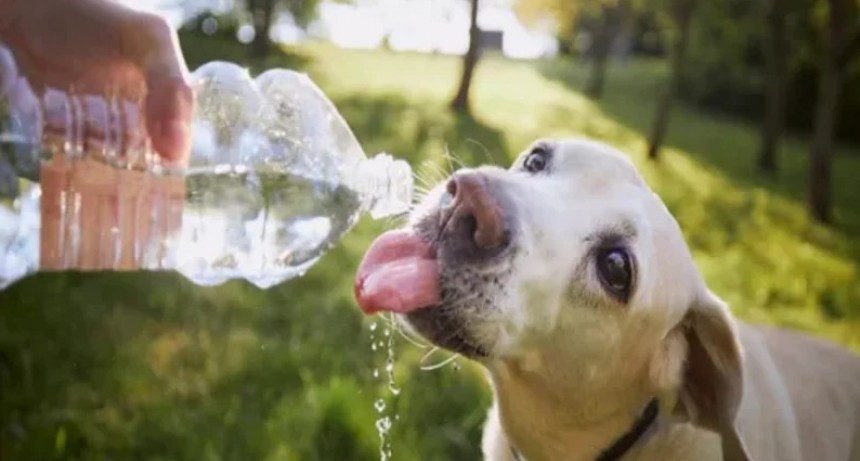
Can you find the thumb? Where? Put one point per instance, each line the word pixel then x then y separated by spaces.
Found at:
pixel 169 99
pixel 169 108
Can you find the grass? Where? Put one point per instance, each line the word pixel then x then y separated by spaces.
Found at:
pixel 150 367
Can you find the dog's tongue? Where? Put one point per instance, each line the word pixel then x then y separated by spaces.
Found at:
pixel 399 273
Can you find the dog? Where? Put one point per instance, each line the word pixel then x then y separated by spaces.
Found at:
pixel 569 280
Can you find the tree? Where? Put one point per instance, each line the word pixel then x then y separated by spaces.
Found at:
pixel 840 40
pixel 776 56
pixel 612 19
pixel 470 60
pixel 604 19
pixel 681 12
pixel 263 14
pixel 784 46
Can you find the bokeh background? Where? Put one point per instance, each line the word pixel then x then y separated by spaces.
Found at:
pixel 742 115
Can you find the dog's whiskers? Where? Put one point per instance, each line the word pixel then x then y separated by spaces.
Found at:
pixel 449 159
pixel 397 327
pixel 409 338
pixel 394 220
pixel 483 149
pixel 439 171
pixel 439 365
pixel 425 181
pixel 458 160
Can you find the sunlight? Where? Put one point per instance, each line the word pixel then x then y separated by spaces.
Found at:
pixel 428 26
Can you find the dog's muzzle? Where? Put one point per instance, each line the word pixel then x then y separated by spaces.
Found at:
pixel 473 227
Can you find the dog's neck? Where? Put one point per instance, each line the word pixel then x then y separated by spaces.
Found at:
pixel 543 422
pixel 625 442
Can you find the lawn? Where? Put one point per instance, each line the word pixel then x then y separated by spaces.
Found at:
pixel 150 367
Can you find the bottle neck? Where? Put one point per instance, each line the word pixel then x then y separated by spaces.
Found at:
pixel 386 185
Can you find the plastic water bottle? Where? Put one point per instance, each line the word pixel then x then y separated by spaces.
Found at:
pixel 275 179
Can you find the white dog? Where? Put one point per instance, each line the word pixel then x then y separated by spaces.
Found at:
pixel 568 279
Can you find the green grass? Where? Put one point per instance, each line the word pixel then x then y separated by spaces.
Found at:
pixel 150 367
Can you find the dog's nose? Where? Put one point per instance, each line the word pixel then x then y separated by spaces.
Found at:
pixel 475 211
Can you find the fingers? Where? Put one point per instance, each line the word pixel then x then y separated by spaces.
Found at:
pixel 169 106
pixel 94 44
pixel 170 99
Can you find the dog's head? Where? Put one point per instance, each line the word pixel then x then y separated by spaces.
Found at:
pixel 565 272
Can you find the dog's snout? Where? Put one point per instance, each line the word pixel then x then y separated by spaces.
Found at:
pixel 473 211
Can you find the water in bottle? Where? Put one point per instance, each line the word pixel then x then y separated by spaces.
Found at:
pixel 275 178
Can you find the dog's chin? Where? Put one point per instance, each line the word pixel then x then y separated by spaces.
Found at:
pixel 444 327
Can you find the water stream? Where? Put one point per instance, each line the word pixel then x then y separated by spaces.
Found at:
pixel 382 341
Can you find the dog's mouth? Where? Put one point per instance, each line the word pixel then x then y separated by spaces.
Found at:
pixel 434 275
pixel 442 325
pixel 399 273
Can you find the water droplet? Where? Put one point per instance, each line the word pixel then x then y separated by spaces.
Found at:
pixel 456 366
pixel 383 425
pixel 393 389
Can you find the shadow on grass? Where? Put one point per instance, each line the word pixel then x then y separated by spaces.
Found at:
pixel 148 366
pixel 421 132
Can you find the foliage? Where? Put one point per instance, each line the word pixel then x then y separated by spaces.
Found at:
pixel 647 22
pixel 148 366
pixel 303 11
pixel 225 25
pixel 563 12
pixel 575 17
pixel 725 70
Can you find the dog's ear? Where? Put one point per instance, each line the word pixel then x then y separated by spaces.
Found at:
pixel 712 381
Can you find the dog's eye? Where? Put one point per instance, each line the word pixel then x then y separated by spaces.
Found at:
pixel 615 269
pixel 536 161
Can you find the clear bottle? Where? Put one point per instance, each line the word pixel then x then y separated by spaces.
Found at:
pixel 275 178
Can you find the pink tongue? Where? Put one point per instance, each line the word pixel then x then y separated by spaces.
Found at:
pixel 399 273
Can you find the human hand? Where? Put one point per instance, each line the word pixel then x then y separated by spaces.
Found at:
pixel 93 45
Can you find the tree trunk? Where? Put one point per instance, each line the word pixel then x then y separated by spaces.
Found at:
pixel 776 51
pixel 683 17
pixel 599 56
pixel 826 116
pixel 470 60
pixel 262 12
pixel 841 41
pixel 612 20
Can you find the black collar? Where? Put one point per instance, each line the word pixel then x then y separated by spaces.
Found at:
pixel 626 441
